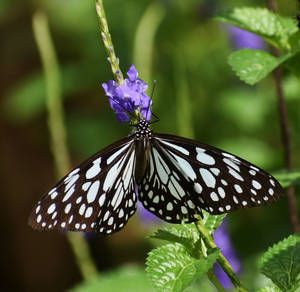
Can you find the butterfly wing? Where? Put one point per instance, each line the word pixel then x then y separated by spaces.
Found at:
pixel 164 189
pixel 208 178
pixel 98 195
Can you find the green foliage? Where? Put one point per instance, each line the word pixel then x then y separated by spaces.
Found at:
pixel 171 268
pixel 288 178
pixel 281 263
pixel 261 21
pixel 252 66
pixel 212 222
pixel 269 289
pixel 174 266
pixel 125 279
pixel 187 234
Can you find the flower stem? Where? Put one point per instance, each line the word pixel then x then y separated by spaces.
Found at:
pixel 285 133
pixel 57 129
pixel 106 38
pixel 209 242
pixel 213 278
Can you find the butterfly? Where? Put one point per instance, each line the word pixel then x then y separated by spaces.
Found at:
pixel 174 178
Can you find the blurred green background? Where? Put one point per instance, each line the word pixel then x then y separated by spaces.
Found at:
pixel 175 42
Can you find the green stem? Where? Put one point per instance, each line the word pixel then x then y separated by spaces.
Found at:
pixel 209 242
pixel 112 58
pixel 214 279
pixel 57 129
pixel 106 38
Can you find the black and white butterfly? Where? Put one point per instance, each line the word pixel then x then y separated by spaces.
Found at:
pixel 174 178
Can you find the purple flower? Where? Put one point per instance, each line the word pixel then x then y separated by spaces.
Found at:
pixel 146 217
pixel 242 39
pixel 223 241
pixel 129 96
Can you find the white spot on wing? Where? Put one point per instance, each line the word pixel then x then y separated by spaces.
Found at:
pixel 215 171
pixel 238 188
pixel 71 181
pixel 221 192
pixel 198 188
pixel 68 208
pixel 235 174
pixel 208 178
pixel 214 196
pixel 94 169
pixel 256 184
pixel 93 191
pixel 117 153
pixel 231 163
pixel 204 158
pixel 51 208
pixel 88 212
pixel 69 193
pixel 178 148
pixel 54 195
pixel 86 185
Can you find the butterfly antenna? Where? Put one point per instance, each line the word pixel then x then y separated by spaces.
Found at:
pixel 151 97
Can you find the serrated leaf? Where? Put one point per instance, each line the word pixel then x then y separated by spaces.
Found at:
pixel 212 222
pixel 261 21
pixel 281 263
pixel 124 279
pixel 288 178
pixel 171 236
pixel 185 234
pixel 269 289
pixel 171 268
pixel 252 65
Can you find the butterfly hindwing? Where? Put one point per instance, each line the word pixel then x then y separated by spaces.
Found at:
pixel 212 179
pixel 98 195
pixel 164 190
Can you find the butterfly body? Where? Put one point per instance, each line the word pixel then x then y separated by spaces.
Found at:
pixel 143 136
pixel 175 178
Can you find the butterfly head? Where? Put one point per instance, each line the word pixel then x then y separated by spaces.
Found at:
pixel 142 130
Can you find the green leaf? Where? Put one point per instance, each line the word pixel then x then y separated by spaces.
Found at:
pixel 178 231
pixel 252 65
pixel 281 263
pixel 212 222
pixel 272 27
pixel 171 268
pixel 269 289
pixel 288 178
pixel 187 234
pixel 125 279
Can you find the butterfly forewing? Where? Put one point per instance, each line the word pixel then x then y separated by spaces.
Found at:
pixel 99 195
pixel 221 181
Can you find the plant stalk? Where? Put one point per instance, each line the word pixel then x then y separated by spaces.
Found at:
pixel 57 130
pixel 285 133
pixel 209 242
pixel 106 38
